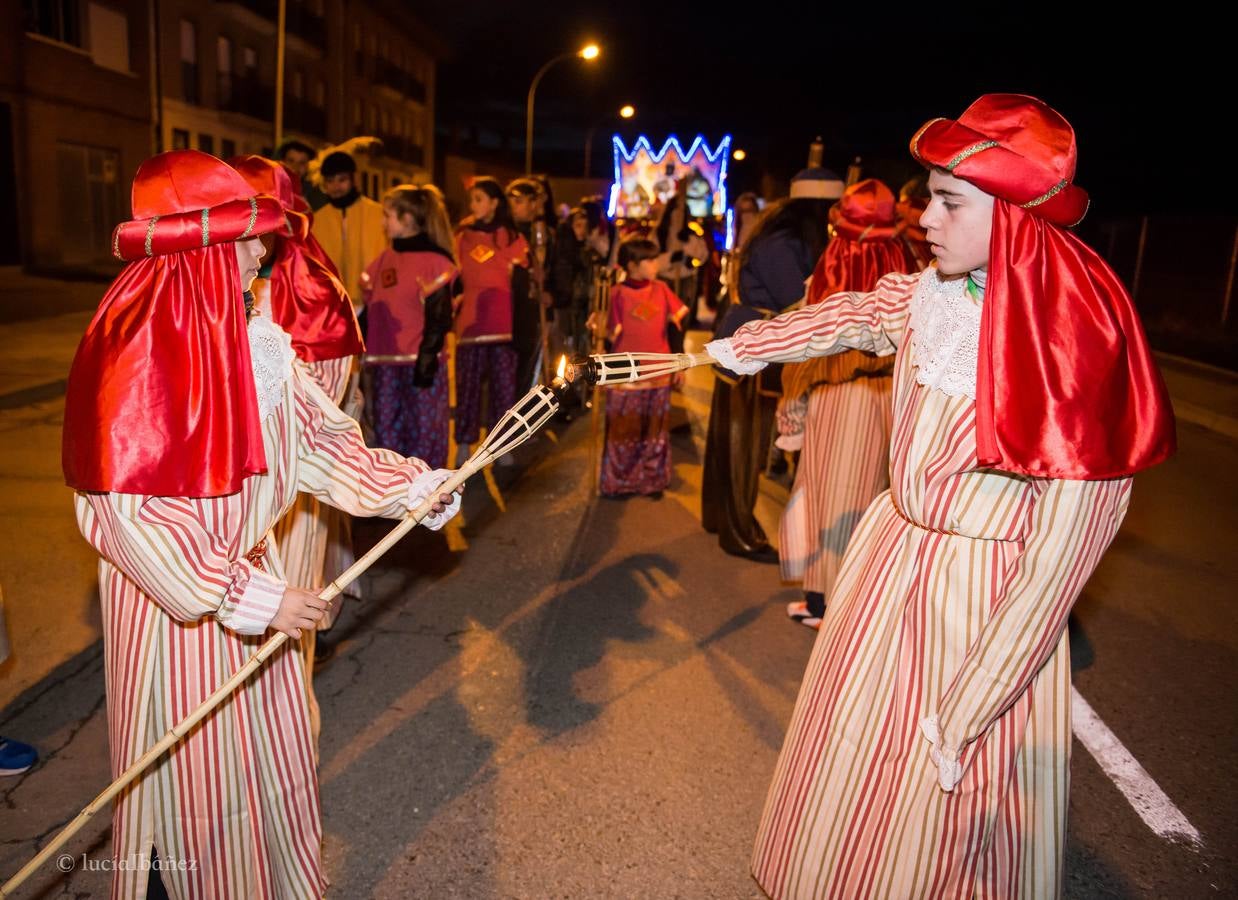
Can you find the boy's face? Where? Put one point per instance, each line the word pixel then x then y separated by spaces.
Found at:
pixel 958 223
pixel 523 206
pixel 248 259
pixel 298 161
pixel 645 270
pixel 338 185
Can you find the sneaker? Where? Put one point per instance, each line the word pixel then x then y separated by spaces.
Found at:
pixel 16 757
pixel 797 611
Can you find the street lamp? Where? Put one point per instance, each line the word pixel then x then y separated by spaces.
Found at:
pixel 589 52
pixel 626 111
pixel 739 155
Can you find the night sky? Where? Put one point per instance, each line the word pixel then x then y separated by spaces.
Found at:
pixel 1149 101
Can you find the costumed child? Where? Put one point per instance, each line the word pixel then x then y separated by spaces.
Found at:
pixel 408 296
pixel 637 454
pixel 928 753
pixel 188 432
pixel 488 248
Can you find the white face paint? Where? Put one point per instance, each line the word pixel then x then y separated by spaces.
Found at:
pixel 958 223
pixel 248 259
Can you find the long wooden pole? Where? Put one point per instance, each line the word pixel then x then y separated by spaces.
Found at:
pixel 507 435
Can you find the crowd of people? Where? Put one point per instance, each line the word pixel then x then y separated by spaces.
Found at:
pixel 958 476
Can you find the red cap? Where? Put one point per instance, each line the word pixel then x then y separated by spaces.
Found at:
pixel 1013 147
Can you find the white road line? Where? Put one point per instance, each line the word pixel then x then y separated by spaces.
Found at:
pixel 1157 810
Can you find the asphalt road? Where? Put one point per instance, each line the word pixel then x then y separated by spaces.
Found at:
pixel 588 702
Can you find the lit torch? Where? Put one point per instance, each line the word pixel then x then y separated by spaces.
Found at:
pixel 625 368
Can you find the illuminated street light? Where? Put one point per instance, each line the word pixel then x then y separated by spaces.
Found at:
pixel 588 52
pixel 739 155
pixel 627 112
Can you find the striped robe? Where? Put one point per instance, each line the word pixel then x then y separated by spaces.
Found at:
pixel 238 798
pixel 303 536
pixel 950 607
pixel 845 462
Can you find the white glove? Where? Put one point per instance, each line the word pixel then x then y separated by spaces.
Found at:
pixel 724 353
pixel 424 487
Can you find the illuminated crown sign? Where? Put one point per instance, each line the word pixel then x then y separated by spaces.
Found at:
pixel 645 177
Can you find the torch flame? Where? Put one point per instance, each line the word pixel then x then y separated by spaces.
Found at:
pixel 562 369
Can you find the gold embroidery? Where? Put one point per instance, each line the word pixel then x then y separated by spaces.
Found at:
pixel 915 139
pixel 1047 195
pixel 253 218
pixel 482 253
pixel 116 241
pixel 150 233
pixel 969 153
pixel 206 228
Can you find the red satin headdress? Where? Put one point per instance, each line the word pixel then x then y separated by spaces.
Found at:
pixel 1066 385
pixel 161 395
pixel 308 300
pixel 865 245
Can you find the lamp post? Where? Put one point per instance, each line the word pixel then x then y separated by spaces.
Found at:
pixel 626 111
pixel 588 53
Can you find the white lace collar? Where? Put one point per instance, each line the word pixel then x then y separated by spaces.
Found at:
pixel 271 353
pixel 946 342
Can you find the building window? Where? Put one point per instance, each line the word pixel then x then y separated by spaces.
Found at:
pixel 320 93
pixel 358 115
pixel 206 143
pixel 249 64
pixel 59 20
pixel 223 65
pixel 88 182
pixel 189 61
pixel 227 148
pixel 298 83
pixel 109 37
pixel 180 139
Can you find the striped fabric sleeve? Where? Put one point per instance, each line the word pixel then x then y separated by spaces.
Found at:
pixel 253 601
pixel 338 468
pixel 873 322
pixel 332 376
pixel 167 547
pixel 1073 523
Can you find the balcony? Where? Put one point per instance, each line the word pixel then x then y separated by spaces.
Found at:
pixel 303 116
pixel 402 149
pixel 308 27
pixel 388 74
pixel 301 23
pixel 250 98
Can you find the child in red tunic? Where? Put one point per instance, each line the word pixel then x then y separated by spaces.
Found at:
pixel 487 246
pixel 408 292
pixel 637 456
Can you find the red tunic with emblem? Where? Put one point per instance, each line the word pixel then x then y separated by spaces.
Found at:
pixel 397 285
pixel 486 259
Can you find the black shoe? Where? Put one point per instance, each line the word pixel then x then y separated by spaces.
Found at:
pixel 763 553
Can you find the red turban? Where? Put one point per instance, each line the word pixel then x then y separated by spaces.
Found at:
pixel 865 245
pixel 308 300
pixel 1066 386
pixel 161 397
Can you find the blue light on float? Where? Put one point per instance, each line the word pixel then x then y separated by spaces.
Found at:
pixel 623 154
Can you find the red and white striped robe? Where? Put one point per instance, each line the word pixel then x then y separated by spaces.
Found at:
pixel 951 603
pixel 304 536
pixel 238 798
pixel 845 462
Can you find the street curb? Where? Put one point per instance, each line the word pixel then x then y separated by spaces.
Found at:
pixel 1185 411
